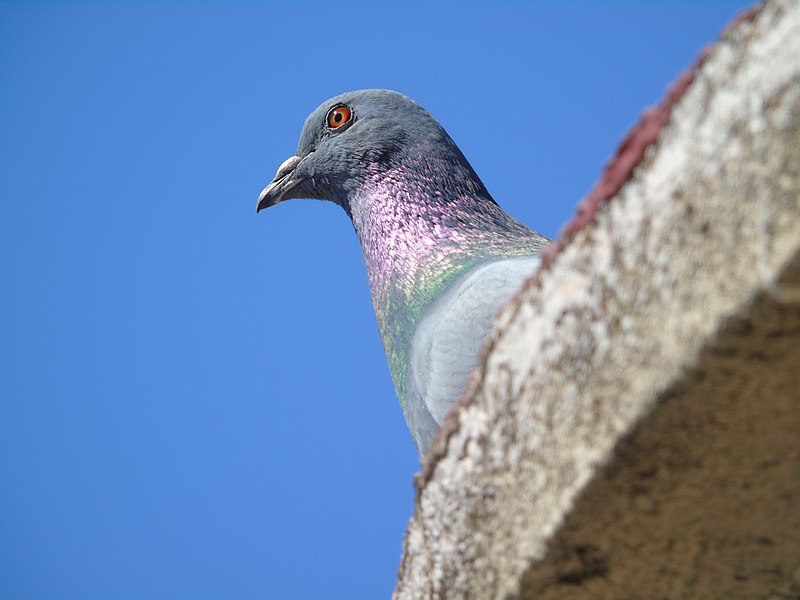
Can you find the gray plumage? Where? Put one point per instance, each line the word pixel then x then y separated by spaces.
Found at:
pixel 441 255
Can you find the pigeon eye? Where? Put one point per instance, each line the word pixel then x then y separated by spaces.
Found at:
pixel 338 116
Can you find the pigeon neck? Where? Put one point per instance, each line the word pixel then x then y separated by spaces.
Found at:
pixel 418 234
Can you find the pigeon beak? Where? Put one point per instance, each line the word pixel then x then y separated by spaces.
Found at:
pixel 280 186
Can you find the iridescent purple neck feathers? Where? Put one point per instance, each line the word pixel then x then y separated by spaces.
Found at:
pixel 419 232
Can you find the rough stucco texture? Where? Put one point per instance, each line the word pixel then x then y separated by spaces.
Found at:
pixel 633 430
pixel 702 500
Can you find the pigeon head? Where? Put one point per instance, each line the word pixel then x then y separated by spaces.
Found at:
pixel 356 137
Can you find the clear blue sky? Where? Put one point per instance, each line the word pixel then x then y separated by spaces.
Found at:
pixel 194 401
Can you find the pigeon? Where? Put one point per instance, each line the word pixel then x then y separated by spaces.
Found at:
pixel 442 257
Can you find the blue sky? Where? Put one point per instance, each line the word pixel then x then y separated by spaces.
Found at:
pixel 194 401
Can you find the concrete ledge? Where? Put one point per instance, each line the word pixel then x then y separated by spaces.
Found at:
pixel 633 430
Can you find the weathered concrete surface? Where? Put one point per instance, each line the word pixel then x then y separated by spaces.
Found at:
pixel 702 500
pixel 633 431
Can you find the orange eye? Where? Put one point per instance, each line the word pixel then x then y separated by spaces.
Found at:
pixel 338 116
